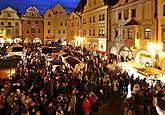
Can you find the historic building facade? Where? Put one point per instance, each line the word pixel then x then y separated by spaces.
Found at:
pixel 32 26
pixel 92 23
pixel 132 28
pixel 55 24
pixel 10 25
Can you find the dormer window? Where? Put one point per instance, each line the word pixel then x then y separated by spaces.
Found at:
pixel 60 12
pixel 49 15
pixel 9 15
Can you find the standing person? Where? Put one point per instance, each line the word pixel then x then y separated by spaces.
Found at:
pixel 86 106
pixel 80 110
pixel 115 86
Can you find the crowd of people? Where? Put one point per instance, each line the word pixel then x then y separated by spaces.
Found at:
pixel 36 88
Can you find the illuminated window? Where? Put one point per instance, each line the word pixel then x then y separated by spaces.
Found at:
pixel 130 34
pixel 147 33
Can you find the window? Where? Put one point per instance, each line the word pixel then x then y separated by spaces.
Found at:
pixel 8 31
pixel 48 31
pixel 103 17
pixel 100 32
pixel 93 18
pixel 39 31
pixel 72 33
pixel 36 22
pixel 89 4
pixel 9 23
pixel 60 12
pixel 90 19
pixel 27 31
pixel 119 16
pixel 9 15
pixel 84 21
pixel 63 31
pixel 17 31
pixel 2 23
pixel 133 13
pixel 49 15
pixel 90 32
pixel 163 10
pixel 77 23
pixel 95 2
pixel 93 32
pixel 116 33
pixel 126 1
pixel 2 31
pixel 99 17
pixel 48 23
pixel 28 22
pixel 59 31
pixel 56 12
pixel 32 30
pixel 16 23
pixel 65 24
pixel 72 24
pixel 130 34
pixel 147 33
pixel 103 32
pixel 61 24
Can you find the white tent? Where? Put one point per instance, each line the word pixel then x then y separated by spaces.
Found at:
pixel 2 41
pixel 17 40
pixel 9 40
pixel 27 40
pixel 37 40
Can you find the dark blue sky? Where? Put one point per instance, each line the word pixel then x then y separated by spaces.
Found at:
pixel 41 5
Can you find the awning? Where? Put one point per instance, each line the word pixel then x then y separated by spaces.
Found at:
pixel 132 22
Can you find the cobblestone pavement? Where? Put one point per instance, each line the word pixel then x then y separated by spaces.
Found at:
pixel 113 107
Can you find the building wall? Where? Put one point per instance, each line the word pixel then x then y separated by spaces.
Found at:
pixel 92 32
pixel 10 24
pixel 33 25
pixel 57 26
pixel 144 17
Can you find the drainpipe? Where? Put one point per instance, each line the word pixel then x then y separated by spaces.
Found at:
pixel 156 18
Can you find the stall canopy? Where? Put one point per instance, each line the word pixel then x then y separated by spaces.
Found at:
pixel 15 48
pixel 37 40
pixel 9 40
pixel 56 62
pixel 17 40
pixel 2 41
pixel 73 61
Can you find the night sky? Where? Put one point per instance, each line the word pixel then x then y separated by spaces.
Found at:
pixel 41 5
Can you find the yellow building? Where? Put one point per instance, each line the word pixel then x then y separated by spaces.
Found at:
pixel 55 24
pixel 73 29
pixel 33 26
pixel 132 27
pixel 10 25
pixel 92 32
